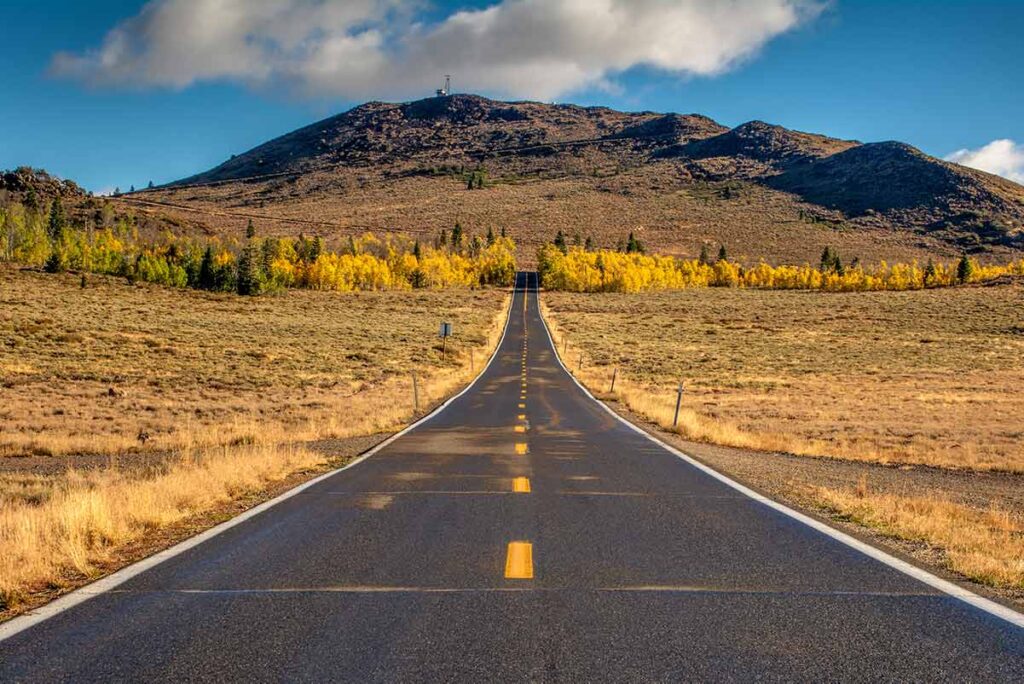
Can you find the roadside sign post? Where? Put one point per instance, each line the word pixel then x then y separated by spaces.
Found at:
pixel 444 334
pixel 679 402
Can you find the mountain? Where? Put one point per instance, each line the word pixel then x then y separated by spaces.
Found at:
pixel 677 180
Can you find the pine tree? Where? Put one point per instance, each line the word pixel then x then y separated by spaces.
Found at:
pixel 251 279
pixel 353 249
pixel 131 189
pixel 480 181
pixel 316 249
pixel 559 242
pixel 503 232
pixel 150 186
pixel 490 237
pixel 723 255
pixel 705 258
pixel 457 236
pixel 588 244
pixel 58 220
pixel 826 259
pixel 442 240
pixel 250 230
pixel 207 274
pixel 32 200
pixel 964 269
pixel 930 273
pixel 472 181
pixel 416 251
pixel 117 192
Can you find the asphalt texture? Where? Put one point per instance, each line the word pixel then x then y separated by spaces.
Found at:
pixel 644 568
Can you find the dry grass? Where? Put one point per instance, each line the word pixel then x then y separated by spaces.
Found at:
pixel 930 378
pixel 115 368
pixel 986 546
pixel 660 202
pixel 226 410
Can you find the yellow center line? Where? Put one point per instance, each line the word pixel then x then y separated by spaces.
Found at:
pixel 522 406
pixel 519 561
pixel 520 428
pixel 521 448
pixel 521 485
pixel 521 416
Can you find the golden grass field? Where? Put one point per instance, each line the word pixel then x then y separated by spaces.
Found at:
pixel 128 408
pixel 907 379
pixel 927 378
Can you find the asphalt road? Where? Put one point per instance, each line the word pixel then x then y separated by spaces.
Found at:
pixel 423 563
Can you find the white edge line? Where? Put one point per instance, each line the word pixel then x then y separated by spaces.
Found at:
pixel 987 605
pixel 33 617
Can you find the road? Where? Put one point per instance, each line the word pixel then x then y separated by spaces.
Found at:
pixel 522 533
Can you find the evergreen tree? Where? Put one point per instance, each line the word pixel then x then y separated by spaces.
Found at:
pixel 56 263
pixel 251 280
pixel 457 236
pixel 58 220
pixel 117 192
pixel 353 249
pixel 930 273
pixel 588 245
pixel 503 231
pixel 964 269
pixel 476 246
pixel 32 200
pixel 827 259
pixel 723 254
pixel 250 230
pixel 416 251
pixel 442 240
pixel 490 237
pixel 577 239
pixel 207 274
pixel 559 242
pixel 704 258
pixel 472 181
pixel 316 249
pixel 150 186
pixel 131 189
pixel 634 246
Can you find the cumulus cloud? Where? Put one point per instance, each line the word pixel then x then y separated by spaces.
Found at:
pixel 1001 157
pixel 386 48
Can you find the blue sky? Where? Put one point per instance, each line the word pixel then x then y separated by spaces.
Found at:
pixel 941 75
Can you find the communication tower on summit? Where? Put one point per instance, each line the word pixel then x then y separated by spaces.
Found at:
pixel 444 92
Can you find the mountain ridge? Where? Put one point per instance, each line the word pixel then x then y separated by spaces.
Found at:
pixel 644 171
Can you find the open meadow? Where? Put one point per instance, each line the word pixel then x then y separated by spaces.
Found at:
pixel 127 408
pixel 921 389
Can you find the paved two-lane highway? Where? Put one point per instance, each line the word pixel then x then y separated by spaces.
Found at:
pixel 523 533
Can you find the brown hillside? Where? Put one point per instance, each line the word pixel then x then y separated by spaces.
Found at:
pixel 676 180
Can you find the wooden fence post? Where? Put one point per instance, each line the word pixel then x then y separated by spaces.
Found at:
pixel 615 374
pixel 415 394
pixel 679 402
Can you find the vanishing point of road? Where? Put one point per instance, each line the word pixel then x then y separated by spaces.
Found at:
pixel 521 533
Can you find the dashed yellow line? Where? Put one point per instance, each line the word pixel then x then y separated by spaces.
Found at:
pixel 520 428
pixel 519 560
pixel 521 448
pixel 521 485
pixel 521 416
pixel 522 405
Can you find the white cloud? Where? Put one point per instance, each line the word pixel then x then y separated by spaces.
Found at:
pixel 1001 157
pixel 384 48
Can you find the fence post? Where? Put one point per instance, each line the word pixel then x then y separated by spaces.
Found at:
pixel 615 374
pixel 679 402
pixel 565 347
pixel 415 394
pixel 472 363
pixel 579 366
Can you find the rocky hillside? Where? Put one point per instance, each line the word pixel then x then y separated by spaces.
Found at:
pixel 595 170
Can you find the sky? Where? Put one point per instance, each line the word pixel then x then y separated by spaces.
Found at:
pixel 113 93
